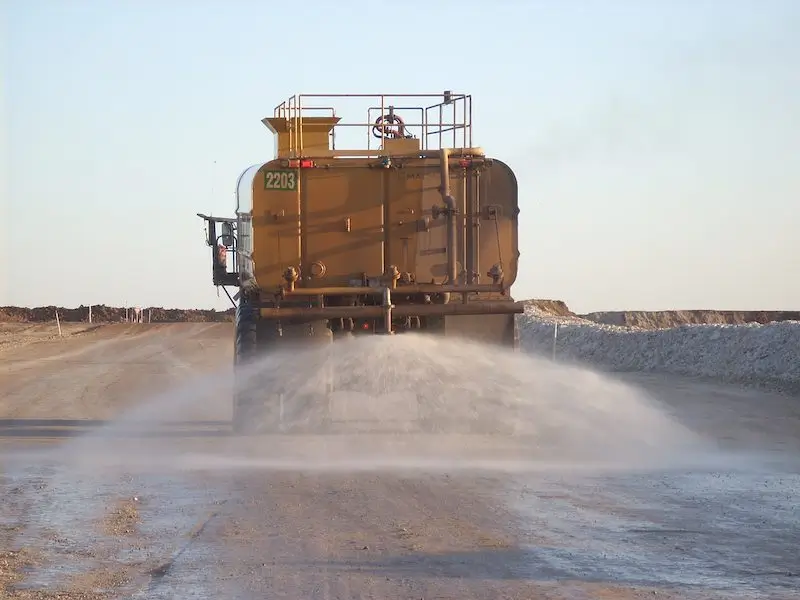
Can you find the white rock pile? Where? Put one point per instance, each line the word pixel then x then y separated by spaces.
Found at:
pixel 761 355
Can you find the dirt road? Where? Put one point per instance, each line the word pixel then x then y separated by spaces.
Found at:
pixel 119 480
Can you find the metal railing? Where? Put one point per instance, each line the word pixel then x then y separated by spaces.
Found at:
pixel 452 114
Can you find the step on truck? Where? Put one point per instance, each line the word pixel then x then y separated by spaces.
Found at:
pixel 377 216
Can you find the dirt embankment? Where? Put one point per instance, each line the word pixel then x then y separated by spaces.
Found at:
pixel 663 319
pixel 110 314
pixel 631 318
pixel 556 308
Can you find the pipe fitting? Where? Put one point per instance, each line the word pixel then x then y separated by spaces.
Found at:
pixel 291 276
pixel 496 273
pixel 392 275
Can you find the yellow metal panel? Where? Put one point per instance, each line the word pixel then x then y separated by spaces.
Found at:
pixel 403 192
pixel 343 223
pixel 276 225
pixel 339 208
pixel 306 136
pixel 400 146
pixel 498 235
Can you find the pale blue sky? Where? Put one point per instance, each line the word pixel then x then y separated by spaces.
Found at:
pixel 657 143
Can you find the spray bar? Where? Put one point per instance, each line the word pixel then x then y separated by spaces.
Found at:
pixel 425 288
pixel 401 310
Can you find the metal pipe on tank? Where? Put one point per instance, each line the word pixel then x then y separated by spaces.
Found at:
pixel 302 242
pixel 387 309
pixel 475 228
pixel 450 202
pixel 469 233
pixel 386 222
pixel 462 226
pixel 403 290
pixel 400 310
pixel 476 151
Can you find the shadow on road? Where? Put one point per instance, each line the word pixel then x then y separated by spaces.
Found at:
pixel 507 564
pixel 494 563
pixel 538 564
pixel 65 428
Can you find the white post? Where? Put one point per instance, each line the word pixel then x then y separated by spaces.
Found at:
pixel 58 323
pixel 555 339
pixel 90 313
pixel 149 315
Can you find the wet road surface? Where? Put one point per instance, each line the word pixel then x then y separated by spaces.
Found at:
pixel 152 510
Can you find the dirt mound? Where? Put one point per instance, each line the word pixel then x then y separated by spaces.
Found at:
pixel 665 319
pixel 110 314
pixel 557 308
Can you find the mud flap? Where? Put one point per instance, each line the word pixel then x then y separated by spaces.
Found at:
pixel 314 402
pixel 500 330
pixel 266 406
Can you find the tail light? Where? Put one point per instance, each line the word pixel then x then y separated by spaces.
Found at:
pixel 301 163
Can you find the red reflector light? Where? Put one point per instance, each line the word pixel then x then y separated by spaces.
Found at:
pixel 464 162
pixel 365 326
pixel 301 163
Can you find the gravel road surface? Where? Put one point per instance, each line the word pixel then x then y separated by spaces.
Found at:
pixel 119 480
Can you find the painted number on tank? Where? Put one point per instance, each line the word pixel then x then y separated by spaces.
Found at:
pixel 280 180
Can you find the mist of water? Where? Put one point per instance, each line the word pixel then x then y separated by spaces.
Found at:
pixel 401 402
pixel 407 403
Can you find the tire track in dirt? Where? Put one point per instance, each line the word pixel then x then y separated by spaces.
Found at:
pixel 100 378
pixel 87 378
pixel 75 345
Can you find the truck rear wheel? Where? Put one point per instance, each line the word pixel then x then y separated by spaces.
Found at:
pixel 244 352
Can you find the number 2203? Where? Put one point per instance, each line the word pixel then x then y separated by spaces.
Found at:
pixel 280 180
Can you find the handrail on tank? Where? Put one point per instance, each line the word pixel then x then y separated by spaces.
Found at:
pixel 441 122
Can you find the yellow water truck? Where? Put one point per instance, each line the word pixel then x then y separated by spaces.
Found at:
pixel 409 227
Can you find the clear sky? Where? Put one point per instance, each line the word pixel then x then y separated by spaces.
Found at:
pixel 656 143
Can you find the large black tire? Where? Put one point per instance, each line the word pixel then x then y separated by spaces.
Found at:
pixel 245 350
